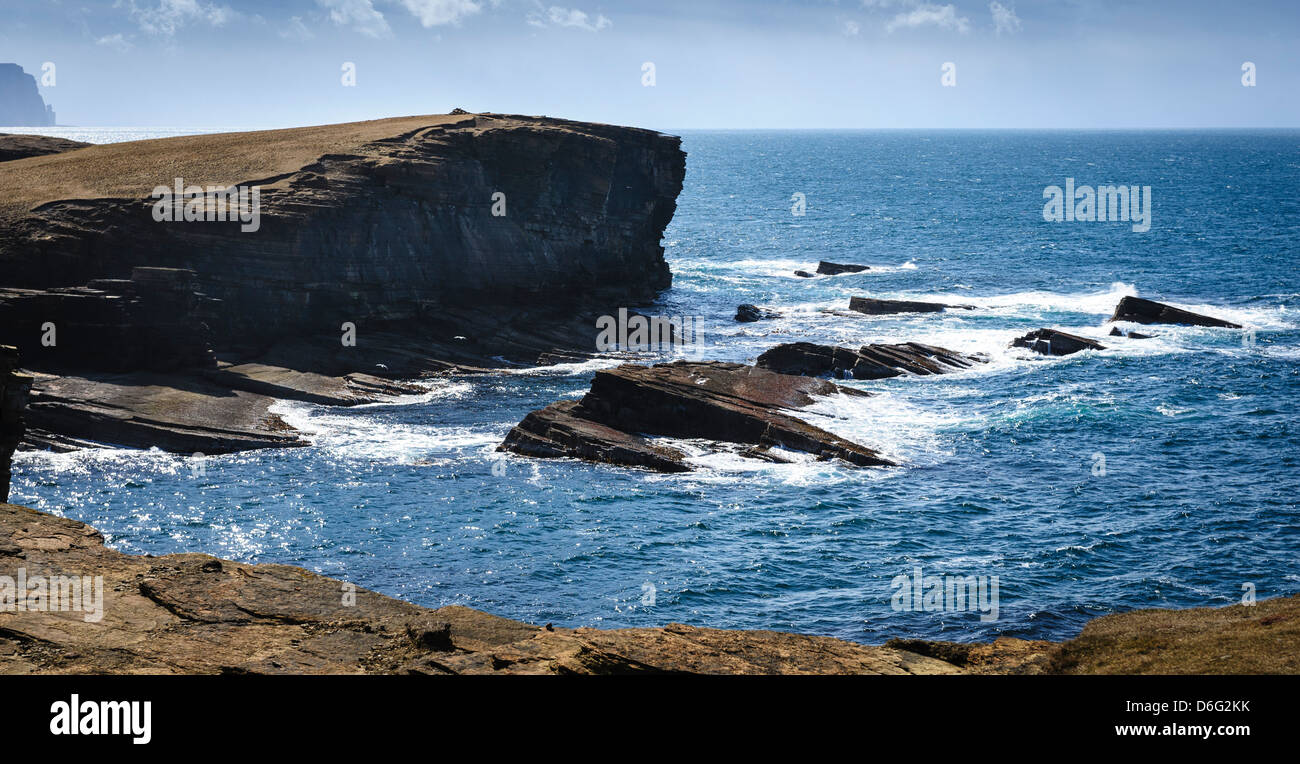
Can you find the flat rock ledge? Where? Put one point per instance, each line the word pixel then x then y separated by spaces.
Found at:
pixel 725 402
pixel 872 307
pixel 195 614
pixel 877 361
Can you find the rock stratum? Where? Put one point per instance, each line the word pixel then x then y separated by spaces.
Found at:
pixel 721 402
pixel 195 614
pixel 385 250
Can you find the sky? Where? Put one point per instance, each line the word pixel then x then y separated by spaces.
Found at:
pixel 715 63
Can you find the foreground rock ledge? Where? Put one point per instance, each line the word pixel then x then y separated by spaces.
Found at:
pixel 725 402
pixel 195 614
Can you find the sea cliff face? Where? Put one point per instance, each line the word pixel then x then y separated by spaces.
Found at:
pixel 20 102
pixel 390 228
pixel 13 398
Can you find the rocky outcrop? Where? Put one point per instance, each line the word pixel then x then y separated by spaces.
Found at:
pixel 386 249
pixel 874 307
pixel 747 313
pixel 1143 311
pixel 22 146
pixel 724 402
pixel 825 268
pixel 869 362
pixel 1115 331
pixel 13 399
pixel 21 104
pixel 1054 342
pixel 194 614
pixel 385 224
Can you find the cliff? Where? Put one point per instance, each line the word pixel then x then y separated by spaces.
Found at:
pixel 392 248
pixel 20 102
pixel 13 398
pixel 195 614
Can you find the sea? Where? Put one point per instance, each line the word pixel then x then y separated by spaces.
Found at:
pixel 1159 472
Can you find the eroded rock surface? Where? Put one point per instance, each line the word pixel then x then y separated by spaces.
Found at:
pixel 1055 342
pixel 873 307
pixel 1143 311
pixel 876 361
pixel 195 614
pixel 725 402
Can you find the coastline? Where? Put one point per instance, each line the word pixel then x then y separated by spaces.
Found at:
pixel 197 614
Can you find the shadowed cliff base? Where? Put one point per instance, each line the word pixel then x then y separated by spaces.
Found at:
pixel 195 614
pixel 384 250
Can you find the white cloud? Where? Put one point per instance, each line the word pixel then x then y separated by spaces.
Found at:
pixel 942 16
pixel 851 28
pixel 171 15
pixel 569 17
pixel 115 41
pixel 438 12
pixel 296 30
pixel 359 15
pixel 1004 18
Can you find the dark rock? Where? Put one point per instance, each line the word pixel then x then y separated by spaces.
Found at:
pixel 22 146
pixel 1117 332
pixel 749 313
pixel 833 269
pixel 1053 342
pixel 14 389
pixel 21 104
pixel 803 274
pixel 1143 311
pixel 725 402
pixel 869 362
pixel 874 307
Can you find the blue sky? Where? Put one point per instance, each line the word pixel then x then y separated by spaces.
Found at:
pixel 717 63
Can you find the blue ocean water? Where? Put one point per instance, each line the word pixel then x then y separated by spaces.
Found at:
pixel 1193 496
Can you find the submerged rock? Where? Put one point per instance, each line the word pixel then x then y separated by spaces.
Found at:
pixel 1117 332
pixel 803 274
pixel 1143 311
pixel 869 362
pixel 874 307
pixel 834 269
pixel 725 402
pixel 1054 342
pixel 747 313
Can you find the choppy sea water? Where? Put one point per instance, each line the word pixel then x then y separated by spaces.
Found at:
pixel 1194 494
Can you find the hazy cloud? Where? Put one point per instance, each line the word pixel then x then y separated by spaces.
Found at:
pixel 1004 18
pixel 942 16
pixel 171 15
pixel 569 17
pixel 359 15
pixel 115 41
pixel 433 13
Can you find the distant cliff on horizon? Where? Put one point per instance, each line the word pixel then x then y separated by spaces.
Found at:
pixel 21 104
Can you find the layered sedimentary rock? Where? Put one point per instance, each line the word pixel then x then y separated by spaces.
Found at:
pixel 825 268
pixel 1143 311
pixel 724 402
pixel 385 249
pixel 21 104
pixel 380 223
pixel 22 146
pixel 1055 342
pixel 876 361
pixel 13 400
pixel 873 307
pixel 195 614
